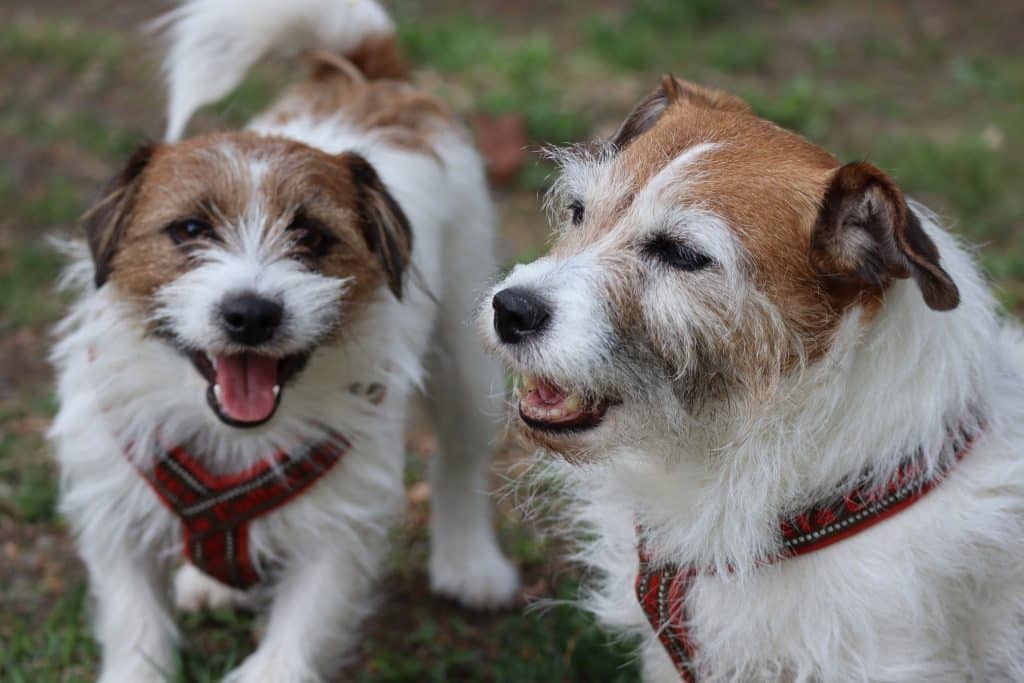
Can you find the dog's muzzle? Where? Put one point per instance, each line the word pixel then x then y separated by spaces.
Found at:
pixel 519 314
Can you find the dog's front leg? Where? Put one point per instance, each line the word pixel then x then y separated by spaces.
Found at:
pixel 134 624
pixel 317 606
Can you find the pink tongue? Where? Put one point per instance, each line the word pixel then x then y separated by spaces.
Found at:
pixel 247 386
pixel 549 393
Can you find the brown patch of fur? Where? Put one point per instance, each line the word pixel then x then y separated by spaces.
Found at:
pixel 379 57
pixel 105 223
pixel 767 183
pixel 866 235
pixel 393 110
pixel 672 91
pixel 208 178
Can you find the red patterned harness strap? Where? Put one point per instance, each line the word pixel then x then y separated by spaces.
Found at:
pixel 216 510
pixel 662 589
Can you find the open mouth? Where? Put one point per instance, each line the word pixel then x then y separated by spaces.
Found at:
pixel 545 406
pixel 245 388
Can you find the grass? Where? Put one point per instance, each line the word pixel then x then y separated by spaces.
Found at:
pixel 434 643
pixel 89 131
pixel 250 97
pixel 968 175
pixel 553 645
pixel 800 104
pixel 63 42
pixel 60 649
pixel 651 34
pixel 945 119
pixel 738 52
pixel 27 283
pixel 505 75
pixel 60 201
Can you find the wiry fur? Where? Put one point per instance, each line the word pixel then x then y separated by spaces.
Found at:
pixel 734 412
pixel 212 45
pixel 124 389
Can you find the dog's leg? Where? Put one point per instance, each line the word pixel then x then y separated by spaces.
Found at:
pixel 316 609
pixel 134 624
pixel 466 392
pixel 194 590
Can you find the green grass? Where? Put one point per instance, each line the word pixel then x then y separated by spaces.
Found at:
pixel 35 493
pixel 962 174
pixel 27 286
pixel 28 482
pixel 88 130
pixel 738 51
pixel 62 200
pixel 505 75
pixel 653 34
pixel 435 643
pixel 213 643
pixel 60 649
pixel 556 644
pixel 251 97
pixel 945 119
pixel 8 186
pixel 800 104
pixel 62 41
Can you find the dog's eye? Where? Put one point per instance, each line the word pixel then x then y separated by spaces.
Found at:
pixel 576 209
pixel 190 230
pixel 309 238
pixel 672 252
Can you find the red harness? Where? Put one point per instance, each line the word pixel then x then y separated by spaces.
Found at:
pixel 216 510
pixel 662 589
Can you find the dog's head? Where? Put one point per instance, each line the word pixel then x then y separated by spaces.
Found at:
pixel 247 253
pixel 703 254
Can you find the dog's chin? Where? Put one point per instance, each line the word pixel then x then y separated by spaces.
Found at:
pixel 559 419
pixel 245 389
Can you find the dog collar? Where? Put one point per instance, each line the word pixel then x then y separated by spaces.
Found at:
pixel 216 510
pixel 662 589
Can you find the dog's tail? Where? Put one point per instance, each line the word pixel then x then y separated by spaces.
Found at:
pixel 213 43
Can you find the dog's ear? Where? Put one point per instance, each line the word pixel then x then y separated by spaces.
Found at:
pixel 866 235
pixel 106 221
pixel 383 223
pixel 672 90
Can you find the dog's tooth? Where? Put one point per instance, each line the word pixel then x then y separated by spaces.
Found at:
pixel 277 389
pixel 529 383
pixel 217 392
pixel 571 404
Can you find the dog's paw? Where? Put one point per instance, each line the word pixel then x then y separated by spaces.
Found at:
pixel 137 671
pixel 484 581
pixel 194 590
pixel 264 667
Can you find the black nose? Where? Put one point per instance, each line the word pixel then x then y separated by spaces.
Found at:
pixel 250 319
pixel 518 314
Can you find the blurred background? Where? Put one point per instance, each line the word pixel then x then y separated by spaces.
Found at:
pixel 930 90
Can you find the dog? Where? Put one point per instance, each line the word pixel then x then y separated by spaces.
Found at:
pixel 256 309
pixel 790 418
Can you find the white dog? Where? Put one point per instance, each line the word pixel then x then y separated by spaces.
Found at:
pixel 756 362
pixel 257 308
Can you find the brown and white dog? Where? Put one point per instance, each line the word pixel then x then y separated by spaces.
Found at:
pixel 256 308
pixel 756 361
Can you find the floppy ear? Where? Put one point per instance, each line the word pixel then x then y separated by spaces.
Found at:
pixel 866 235
pixel 672 90
pixel 382 222
pixel 106 221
